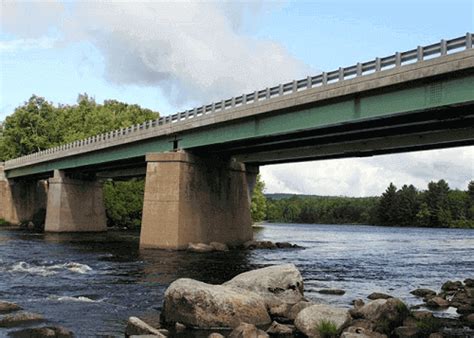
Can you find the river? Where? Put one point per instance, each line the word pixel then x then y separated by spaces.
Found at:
pixel 91 283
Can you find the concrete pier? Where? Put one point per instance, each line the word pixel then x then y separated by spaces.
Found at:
pixel 20 200
pixel 195 199
pixel 74 205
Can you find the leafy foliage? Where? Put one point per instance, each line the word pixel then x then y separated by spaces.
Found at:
pixel 327 329
pixel 258 206
pixel 39 125
pixel 124 202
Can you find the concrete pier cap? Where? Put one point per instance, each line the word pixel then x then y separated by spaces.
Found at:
pixel 193 198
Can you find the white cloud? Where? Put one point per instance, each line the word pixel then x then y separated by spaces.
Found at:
pixel 17 45
pixel 370 176
pixel 194 51
pixel 32 19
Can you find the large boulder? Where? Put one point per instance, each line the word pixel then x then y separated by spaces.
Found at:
pixel 201 305
pixel 310 319
pixel 276 284
pixel 385 313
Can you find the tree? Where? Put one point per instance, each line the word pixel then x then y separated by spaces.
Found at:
pixel 408 206
pixel 388 206
pixel 29 129
pixel 437 200
pixel 39 125
pixel 258 206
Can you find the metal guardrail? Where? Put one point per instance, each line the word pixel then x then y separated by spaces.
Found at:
pixel 440 49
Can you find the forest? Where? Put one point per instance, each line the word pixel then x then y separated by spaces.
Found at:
pixel 38 124
pixel 437 206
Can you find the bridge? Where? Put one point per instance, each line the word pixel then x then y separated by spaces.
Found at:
pixel 201 164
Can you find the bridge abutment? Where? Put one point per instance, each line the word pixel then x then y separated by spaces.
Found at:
pixel 21 200
pixel 74 205
pixel 189 198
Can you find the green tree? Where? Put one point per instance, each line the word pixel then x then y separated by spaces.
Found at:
pixel 38 124
pixel 258 207
pixel 124 202
pixel 408 206
pixel 436 198
pixel 388 206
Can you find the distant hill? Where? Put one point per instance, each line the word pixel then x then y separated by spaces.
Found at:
pixel 281 196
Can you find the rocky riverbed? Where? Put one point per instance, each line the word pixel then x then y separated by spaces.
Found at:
pixel 270 302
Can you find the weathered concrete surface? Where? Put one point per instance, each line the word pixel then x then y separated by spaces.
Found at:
pixel 194 200
pixel 74 205
pixel 20 200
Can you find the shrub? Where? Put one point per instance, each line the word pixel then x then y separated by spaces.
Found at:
pixel 327 329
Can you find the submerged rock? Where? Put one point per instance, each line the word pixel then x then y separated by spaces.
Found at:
pixel 199 247
pixel 276 284
pixel 309 320
pixel 19 318
pixel 202 305
pixel 219 246
pixel 43 332
pixel 338 292
pixel 6 307
pixel 378 295
pixel 423 293
pixel 245 330
pixel 136 326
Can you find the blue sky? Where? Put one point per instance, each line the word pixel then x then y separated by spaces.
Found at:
pixel 169 57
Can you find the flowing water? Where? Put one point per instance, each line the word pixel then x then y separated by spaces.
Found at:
pixel 91 283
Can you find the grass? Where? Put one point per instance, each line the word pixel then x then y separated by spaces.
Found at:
pixel 3 222
pixel 327 329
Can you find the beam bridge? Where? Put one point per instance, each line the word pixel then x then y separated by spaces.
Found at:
pixel 200 164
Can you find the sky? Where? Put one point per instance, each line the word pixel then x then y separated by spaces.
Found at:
pixel 173 56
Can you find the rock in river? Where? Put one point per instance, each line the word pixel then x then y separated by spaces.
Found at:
pixel 197 304
pixel 136 326
pixel 378 295
pixel 310 318
pixel 6 307
pixel 338 292
pixel 423 293
pixel 276 284
pixel 19 318
pixel 245 330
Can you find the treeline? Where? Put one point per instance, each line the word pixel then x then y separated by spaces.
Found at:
pixel 38 124
pixel 438 206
